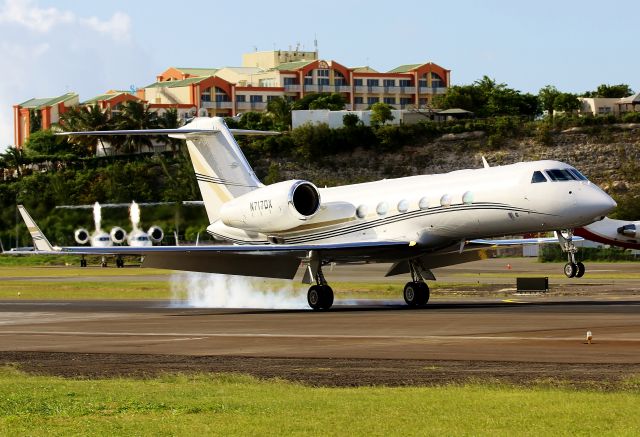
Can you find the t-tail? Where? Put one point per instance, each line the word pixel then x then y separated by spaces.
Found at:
pixel 221 168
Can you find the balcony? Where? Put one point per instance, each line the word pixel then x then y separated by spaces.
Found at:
pixel 432 90
pixel 250 106
pixel 219 105
pixel 327 88
pixel 292 88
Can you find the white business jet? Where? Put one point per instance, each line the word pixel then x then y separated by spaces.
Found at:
pixel 416 223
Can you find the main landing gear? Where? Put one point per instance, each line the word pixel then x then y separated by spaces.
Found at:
pixel 83 262
pixel 572 269
pixel 320 295
pixel 416 293
pixel 119 262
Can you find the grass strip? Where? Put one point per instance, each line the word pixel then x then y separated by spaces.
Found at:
pixel 241 405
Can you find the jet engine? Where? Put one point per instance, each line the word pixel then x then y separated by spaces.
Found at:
pixel 277 207
pixel 155 234
pixel 630 230
pixel 81 235
pixel 118 235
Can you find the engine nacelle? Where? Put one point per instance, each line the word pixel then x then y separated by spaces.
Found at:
pixel 81 235
pixel 118 235
pixel 155 234
pixel 274 208
pixel 630 230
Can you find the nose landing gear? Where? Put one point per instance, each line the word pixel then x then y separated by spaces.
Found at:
pixel 572 269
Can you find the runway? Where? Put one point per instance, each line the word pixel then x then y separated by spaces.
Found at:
pixel 524 328
pixel 503 336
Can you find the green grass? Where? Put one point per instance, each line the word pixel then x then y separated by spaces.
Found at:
pixel 85 290
pixel 240 405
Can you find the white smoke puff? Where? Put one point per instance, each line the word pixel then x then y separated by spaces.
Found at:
pixel 134 214
pixel 97 216
pixel 208 290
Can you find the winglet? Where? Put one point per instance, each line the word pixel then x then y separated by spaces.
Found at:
pixel 40 242
pixel 485 163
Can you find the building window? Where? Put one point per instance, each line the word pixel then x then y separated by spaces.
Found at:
pixel 241 98
pixel 323 73
pixel 406 100
pixel 373 82
pixel 270 98
pixel 405 82
pixel 308 80
pixel 422 83
pixel 423 101
pixel 290 81
pixel 338 78
pixel 372 100
pixel 358 100
pixel 389 82
pixel 390 100
pixel 222 98
pixel 436 81
pixel 357 82
pixel 267 82
pixel 205 96
pixel 255 99
pixel 323 81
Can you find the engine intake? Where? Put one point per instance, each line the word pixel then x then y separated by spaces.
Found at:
pixel 81 235
pixel 630 230
pixel 155 234
pixel 277 207
pixel 118 235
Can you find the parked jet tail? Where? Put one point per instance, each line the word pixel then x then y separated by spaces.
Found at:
pixel 40 242
pixel 221 168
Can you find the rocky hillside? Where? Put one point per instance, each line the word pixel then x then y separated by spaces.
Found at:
pixel 609 157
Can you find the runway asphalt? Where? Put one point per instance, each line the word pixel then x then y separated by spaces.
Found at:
pixel 512 332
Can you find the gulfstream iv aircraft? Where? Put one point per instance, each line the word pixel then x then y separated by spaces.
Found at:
pixel 415 223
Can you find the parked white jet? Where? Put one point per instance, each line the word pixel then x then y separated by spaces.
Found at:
pixel 417 223
pixel 622 233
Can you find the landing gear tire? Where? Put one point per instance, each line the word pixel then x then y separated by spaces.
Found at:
pixel 320 297
pixel 416 293
pixel 571 269
pixel 83 263
pixel 581 269
pixel 119 263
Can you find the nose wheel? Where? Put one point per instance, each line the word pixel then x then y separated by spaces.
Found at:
pixel 572 269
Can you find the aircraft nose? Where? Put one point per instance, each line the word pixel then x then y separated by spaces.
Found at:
pixel 601 203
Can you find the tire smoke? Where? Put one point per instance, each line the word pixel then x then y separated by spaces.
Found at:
pixel 209 290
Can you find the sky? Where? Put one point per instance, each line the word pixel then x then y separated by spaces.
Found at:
pixel 48 48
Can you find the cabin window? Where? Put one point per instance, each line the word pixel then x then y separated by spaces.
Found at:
pixel 424 203
pixel 560 175
pixel 361 212
pixel 403 206
pixel 382 208
pixel 538 177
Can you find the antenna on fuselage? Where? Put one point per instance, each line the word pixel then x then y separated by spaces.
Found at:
pixel 485 163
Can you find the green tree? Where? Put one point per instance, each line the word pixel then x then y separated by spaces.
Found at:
pixel 610 91
pixel 169 119
pixel 350 120
pixel 566 102
pixel 45 143
pixel 12 158
pixel 381 113
pixel 279 109
pixel 135 115
pixel 87 118
pixel 547 97
pixel 333 102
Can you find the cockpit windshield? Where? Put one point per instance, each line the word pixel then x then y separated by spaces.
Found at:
pixel 557 175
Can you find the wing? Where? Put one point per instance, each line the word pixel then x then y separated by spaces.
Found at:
pixel 520 241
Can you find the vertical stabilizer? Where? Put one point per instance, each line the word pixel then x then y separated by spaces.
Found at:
pixel 221 168
pixel 40 242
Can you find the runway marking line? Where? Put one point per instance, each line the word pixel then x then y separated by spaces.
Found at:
pixel 513 301
pixel 194 336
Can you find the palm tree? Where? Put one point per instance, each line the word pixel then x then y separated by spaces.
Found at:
pixel 170 120
pixel 87 118
pixel 136 115
pixel 12 158
pixel 280 110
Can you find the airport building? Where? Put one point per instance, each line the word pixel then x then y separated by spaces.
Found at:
pixel 263 76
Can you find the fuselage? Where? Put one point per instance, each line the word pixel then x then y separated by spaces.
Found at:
pixel 435 210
